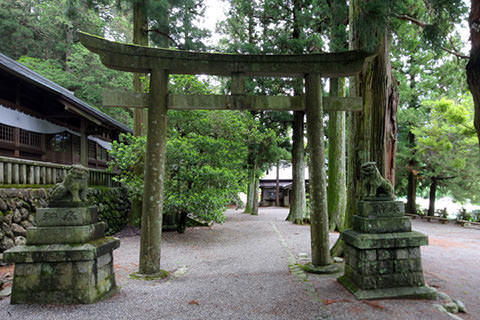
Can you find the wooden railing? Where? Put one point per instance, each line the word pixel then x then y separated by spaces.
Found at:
pixel 27 172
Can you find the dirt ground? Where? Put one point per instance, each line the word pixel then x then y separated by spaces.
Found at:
pixel 242 269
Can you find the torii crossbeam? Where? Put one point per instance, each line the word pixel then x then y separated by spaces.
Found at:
pixel 161 62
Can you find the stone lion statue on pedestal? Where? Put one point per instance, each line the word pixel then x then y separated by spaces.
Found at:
pixel 73 188
pixel 374 185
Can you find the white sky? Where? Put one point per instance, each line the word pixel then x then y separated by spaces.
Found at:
pixel 215 12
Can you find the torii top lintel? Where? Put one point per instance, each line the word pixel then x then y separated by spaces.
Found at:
pixel 134 58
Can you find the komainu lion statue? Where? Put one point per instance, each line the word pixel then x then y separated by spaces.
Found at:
pixel 374 185
pixel 73 188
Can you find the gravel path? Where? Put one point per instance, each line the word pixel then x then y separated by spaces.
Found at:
pixel 240 270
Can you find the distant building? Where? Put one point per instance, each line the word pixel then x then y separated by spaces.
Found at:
pixel 268 187
pixel 42 121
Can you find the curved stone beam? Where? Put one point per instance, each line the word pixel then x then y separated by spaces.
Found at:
pixel 134 58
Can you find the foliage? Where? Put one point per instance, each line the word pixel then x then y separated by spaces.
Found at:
pixel 446 146
pixel 112 207
pixel 206 155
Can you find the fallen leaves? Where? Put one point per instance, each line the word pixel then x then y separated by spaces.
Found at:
pixel 374 304
pixel 330 301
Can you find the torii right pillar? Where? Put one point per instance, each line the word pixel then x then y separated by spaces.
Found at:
pixel 382 253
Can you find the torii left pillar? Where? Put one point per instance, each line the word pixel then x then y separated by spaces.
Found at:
pixel 154 174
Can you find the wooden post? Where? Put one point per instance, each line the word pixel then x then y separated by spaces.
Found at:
pixel 23 174
pixel 318 190
pixel 16 141
pixel 31 174
pixel 16 173
pixel 2 172
pixel 83 143
pixel 154 175
pixel 9 172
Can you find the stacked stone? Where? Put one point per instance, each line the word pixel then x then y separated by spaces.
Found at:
pixel 67 258
pixel 16 214
pixel 382 253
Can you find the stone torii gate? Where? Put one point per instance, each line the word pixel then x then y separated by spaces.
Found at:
pixel 162 62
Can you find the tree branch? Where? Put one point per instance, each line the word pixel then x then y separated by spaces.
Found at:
pixel 455 53
pixel 411 19
pixel 423 25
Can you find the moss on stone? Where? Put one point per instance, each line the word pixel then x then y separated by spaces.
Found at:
pixel 149 277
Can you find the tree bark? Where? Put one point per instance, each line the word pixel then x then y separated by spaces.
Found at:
pixel 316 146
pixel 336 191
pixel 432 198
pixel 140 36
pixel 255 196
pixel 151 231
pixel 250 190
pixel 473 66
pixel 373 132
pixel 298 205
pixel 277 186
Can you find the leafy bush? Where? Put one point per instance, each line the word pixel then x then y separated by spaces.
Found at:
pixel 112 205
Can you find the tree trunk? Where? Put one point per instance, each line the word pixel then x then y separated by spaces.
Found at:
pixel 140 36
pixel 336 191
pixel 277 186
pixel 411 206
pixel 316 147
pixel 255 197
pixel 473 66
pixel 250 190
pixel 373 132
pixel 298 205
pixel 432 198
pixel 68 44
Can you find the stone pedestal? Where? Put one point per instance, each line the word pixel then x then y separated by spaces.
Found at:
pixel 382 254
pixel 67 259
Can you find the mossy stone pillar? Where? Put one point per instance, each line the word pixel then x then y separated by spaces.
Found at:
pixel 318 189
pixel 154 175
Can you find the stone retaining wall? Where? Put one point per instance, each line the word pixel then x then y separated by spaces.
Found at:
pixel 18 209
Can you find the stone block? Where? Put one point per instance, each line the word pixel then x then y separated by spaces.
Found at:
pixel 384 240
pixel 382 225
pixel 48 217
pixel 28 282
pixel 385 254
pixel 84 266
pixel 61 252
pixel 367 255
pixel 414 253
pixel 23 269
pixel 104 259
pixel 385 267
pixel 83 281
pixel 401 266
pixel 415 265
pixel 380 209
pixel 366 268
pixel 401 253
pixel 65 234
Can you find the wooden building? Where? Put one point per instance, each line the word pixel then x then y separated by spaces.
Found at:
pixel 42 121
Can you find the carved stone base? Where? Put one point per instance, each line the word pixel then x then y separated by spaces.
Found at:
pixel 63 274
pixel 382 254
